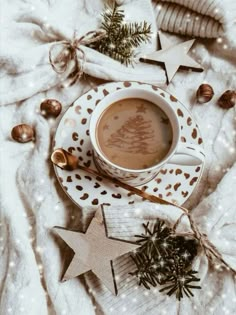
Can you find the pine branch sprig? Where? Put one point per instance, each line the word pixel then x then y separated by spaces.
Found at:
pixel 180 282
pixel 165 259
pixel 155 241
pixel 121 38
pixel 112 18
pixel 137 33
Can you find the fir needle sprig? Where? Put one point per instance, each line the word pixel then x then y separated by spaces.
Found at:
pixel 179 281
pixel 121 37
pixel 165 259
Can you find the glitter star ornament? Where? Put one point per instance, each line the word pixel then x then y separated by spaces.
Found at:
pixel 173 56
pixel 94 250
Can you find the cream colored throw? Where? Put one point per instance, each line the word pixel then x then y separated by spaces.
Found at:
pixel 32 258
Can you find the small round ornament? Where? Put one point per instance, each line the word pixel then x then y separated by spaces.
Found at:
pixel 50 108
pixel 227 99
pixel 204 93
pixel 22 133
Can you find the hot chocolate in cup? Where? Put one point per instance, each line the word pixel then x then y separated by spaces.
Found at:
pixel 134 133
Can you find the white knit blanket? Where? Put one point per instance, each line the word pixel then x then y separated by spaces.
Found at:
pixel 32 258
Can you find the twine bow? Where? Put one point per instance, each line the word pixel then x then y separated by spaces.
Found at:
pixel 68 52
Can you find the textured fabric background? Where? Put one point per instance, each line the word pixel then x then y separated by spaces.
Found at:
pixel 32 259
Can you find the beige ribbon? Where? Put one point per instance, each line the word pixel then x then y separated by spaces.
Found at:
pixel 70 51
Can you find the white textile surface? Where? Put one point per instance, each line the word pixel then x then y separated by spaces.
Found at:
pixel 31 202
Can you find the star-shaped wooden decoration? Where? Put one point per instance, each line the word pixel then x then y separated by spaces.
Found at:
pixel 94 250
pixel 173 56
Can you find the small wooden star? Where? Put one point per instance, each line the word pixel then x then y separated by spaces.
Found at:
pixel 173 56
pixel 94 250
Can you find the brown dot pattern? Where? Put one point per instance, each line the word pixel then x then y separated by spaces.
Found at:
pixel 173 182
pixel 178 171
pixel 163 171
pixel 127 84
pixel 105 92
pixel 85 196
pixel 69 179
pixel 79 187
pixel 194 133
pixel 200 141
pixel 184 193
pixel 118 196
pixel 78 109
pixel 88 163
pixel 173 99
pixel 75 136
pixel 95 201
pixel 193 180
pixel 176 186
pixel 189 121
pixel 180 113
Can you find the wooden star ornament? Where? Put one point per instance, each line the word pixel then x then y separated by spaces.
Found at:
pixel 173 56
pixel 94 250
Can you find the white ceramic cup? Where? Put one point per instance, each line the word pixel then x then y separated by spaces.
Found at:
pixel 180 153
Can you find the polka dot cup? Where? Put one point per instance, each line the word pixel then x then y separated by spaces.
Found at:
pixel 180 153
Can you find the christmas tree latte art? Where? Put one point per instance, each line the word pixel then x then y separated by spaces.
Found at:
pixel 134 133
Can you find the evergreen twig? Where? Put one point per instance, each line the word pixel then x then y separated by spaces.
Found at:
pixel 121 38
pixel 165 259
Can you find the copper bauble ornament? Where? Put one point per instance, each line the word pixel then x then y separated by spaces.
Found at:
pixel 204 93
pixel 227 99
pixel 23 133
pixel 50 108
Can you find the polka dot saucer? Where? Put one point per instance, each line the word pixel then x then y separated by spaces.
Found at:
pixel 174 183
